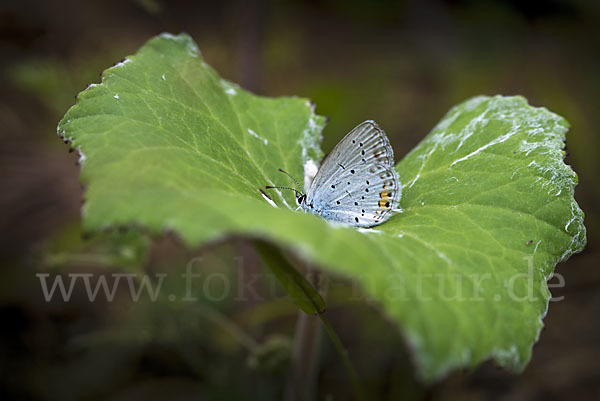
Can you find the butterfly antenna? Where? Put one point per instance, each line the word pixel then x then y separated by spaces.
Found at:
pixel 289 175
pixel 298 193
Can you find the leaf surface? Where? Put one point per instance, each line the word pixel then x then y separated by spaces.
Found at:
pixel 488 207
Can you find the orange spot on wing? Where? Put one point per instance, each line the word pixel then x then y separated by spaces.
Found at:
pixel 384 204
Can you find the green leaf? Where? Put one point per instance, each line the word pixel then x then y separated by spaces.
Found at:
pixel 487 201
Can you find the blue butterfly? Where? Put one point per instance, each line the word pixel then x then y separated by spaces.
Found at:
pixel 357 183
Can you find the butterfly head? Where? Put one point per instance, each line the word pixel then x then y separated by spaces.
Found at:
pixel 300 195
pixel 300 198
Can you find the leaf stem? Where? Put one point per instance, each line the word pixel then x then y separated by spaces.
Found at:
pixel 301 382
pixel 306 345
pixel 343 353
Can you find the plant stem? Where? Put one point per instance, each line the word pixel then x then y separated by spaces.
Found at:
pixel 301 383
pixel 343 353
pixel 311 289
pixel 306 342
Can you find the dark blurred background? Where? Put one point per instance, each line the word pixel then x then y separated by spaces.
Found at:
pixel 403 64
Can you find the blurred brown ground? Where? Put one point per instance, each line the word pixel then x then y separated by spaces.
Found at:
pixel 403 64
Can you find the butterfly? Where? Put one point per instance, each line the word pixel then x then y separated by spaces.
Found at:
pixel 357 184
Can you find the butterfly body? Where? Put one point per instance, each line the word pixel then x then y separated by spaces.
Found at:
pixel 357 184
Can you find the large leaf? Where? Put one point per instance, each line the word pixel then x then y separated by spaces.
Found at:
pixel 487 199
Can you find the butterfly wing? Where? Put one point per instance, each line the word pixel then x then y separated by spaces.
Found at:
pixel 357 183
